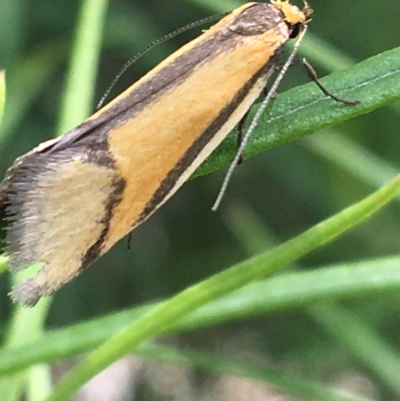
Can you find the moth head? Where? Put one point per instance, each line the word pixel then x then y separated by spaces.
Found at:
pixel 295 18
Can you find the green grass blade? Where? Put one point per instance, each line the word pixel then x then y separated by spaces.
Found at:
pixel 25 325
pixel 78 95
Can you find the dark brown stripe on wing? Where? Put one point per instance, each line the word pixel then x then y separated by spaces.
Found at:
pixel 100 154
pixel 191 154
pixel 115 198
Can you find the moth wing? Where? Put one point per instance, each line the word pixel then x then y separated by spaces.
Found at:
pixel 57 206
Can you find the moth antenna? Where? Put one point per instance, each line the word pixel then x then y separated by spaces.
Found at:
pixel 256 119
pixel 307 11
pixel 150 46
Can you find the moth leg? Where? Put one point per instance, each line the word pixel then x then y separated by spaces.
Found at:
pixel 240 134
pixel 266 91
pixel 129 241
pixel 314 77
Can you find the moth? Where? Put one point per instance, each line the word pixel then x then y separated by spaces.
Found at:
pixel 69 200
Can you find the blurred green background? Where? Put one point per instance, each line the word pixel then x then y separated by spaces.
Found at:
pixel 283 191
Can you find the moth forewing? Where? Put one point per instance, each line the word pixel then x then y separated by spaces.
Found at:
pixel 70 200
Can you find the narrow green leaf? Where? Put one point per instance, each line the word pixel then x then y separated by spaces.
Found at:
pixel 25 325
pixel 78 95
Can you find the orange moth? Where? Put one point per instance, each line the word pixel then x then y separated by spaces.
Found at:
pixel 70 199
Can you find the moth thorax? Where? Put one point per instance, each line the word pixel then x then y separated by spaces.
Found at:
pixel 293 15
